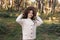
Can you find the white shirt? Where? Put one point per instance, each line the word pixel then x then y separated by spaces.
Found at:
pixel 28 26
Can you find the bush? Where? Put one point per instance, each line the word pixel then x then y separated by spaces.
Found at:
pixel 7 15
pixel 3 28
pixel 50 28
pixel 54 28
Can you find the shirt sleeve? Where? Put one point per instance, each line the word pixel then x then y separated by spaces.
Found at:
pixel 19 19
pixel 38 21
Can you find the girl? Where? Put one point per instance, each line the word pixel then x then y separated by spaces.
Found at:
pixel 29 20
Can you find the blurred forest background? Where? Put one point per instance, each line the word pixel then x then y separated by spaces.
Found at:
pixel 48 10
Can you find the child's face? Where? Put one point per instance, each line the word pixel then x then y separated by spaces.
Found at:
pixel 30 14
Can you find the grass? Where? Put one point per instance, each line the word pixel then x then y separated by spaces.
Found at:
pixel 15 31
pixel 14 28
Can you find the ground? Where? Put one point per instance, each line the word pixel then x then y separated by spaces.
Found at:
pixel 14 31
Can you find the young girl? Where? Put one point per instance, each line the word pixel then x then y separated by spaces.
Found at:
pixel 29 20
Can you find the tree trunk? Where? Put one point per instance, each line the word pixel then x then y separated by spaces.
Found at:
pixel 53 8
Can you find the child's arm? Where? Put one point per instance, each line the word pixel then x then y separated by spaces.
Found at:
pixel 19 19
pixel 38 21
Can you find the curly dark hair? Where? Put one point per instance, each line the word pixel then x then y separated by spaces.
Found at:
pixel 27 10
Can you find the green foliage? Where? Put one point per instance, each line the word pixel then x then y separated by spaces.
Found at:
pixel 10 29
pixel 54 28
pixel 14 34
pixel 8 14
pixel 50 28
pixel 4 15
pixel 3 28
pixel 13 30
